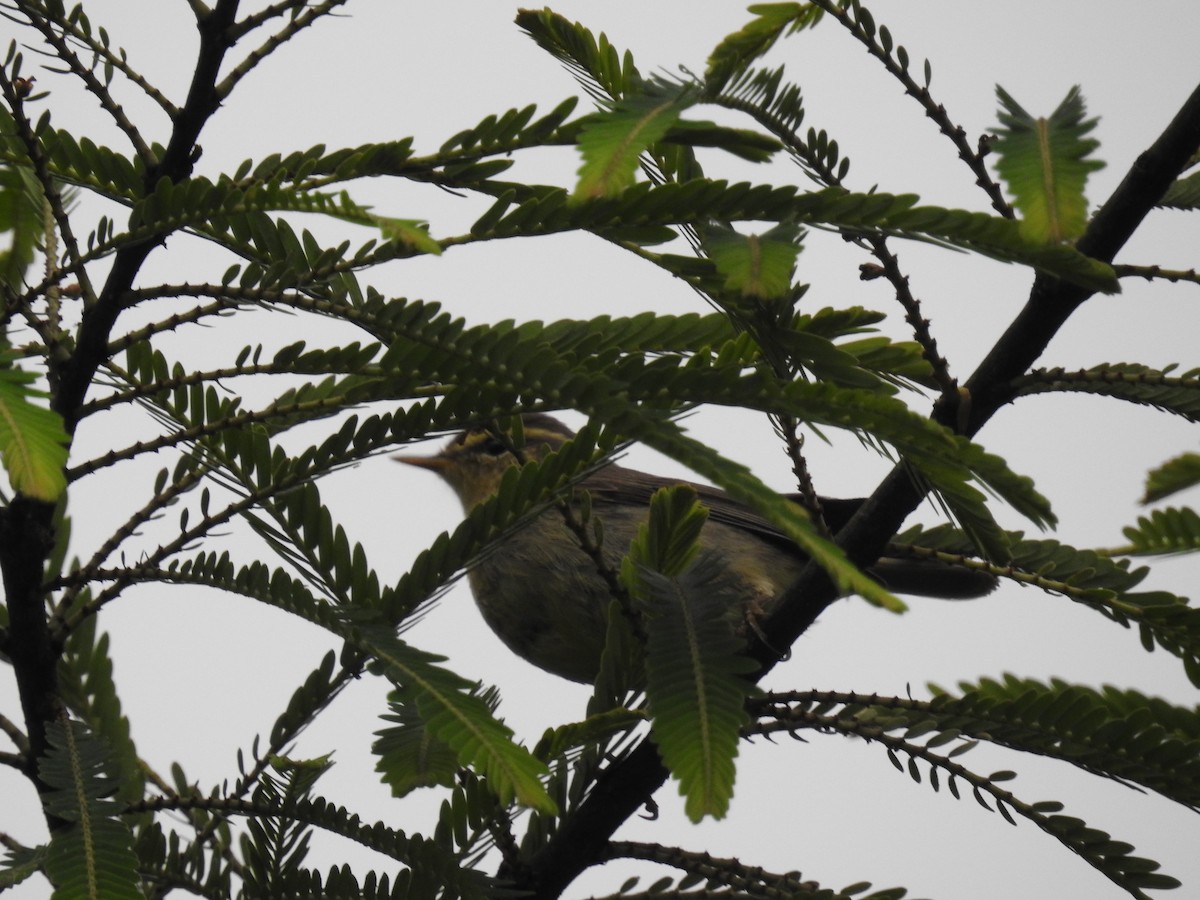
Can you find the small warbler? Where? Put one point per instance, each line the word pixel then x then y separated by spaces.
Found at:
pixel 542 593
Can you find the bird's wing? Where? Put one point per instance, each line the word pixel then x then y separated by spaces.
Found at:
pixel 926 577
pixel 628 486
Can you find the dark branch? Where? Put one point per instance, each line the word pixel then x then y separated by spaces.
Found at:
pixel 176 164
pixel 623 789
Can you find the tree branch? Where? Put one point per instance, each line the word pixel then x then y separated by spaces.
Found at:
pixel 621 790
pixel 176 164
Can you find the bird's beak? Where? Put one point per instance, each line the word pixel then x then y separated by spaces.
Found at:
pixel 432 463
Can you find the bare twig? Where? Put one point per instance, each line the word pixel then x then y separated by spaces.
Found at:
pixel 935 111
pixel 63 51
pixel 305 18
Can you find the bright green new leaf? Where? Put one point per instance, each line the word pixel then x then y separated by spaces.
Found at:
pixel 612 142
pixel 21 203
pixel 411 233
pixel 33 442
pixel 1045 163
pixel 755 265
pixel 669 542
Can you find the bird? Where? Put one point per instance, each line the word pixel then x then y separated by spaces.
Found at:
pixel 542 592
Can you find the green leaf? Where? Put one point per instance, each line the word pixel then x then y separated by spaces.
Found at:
pixel 1128 736
pixel 1172 530
pixel 20 864
pixel 92 856
pixel 694 658
pixel 1045 163
pixel 1184 193
pixel 1095 580
pixel 1134 382
pixel 670 540
pixel 21 215
pixel 595 729
pixel 1173 476
pixel 409 755
pixel 702 200
pixel 461 719
pixel 737 51
pixel 275 847
pixel 1117 734
pixel 742 485
pixel 603 72
pixel 33 442
pixel 613 141
pixel 412 233
pixel 622 664
pixel 90 690
pixel 759 266
pixel 749 145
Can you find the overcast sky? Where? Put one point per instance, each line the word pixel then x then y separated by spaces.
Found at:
pixel 834 809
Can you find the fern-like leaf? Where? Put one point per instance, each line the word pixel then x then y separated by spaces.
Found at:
pixel 89 689
pixel 274 847
pixel 755 266
pixel 694 661
pixel 1092 579
pixel 1184 193
pixel 461 719
pixel 1046 163
pixel 1119 734
pixel 1058 720
pixel 1161 388
pixel 92 856
pixel 737 51
pixel 613 141
pixel 1172 530
pixel 33 442
pixel 601 70
pixel 409 755
pixel 1174 475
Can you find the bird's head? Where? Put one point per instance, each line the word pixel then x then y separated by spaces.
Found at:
pixel 474 461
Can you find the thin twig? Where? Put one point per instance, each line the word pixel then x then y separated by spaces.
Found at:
pixel 912 314
pixel 196 432
pixel 1152 272
pixel 41 168
pixel 935 111
pixel 274 10
pixel 307 17
pixel 93 84
pixel 15 734
pixel 731 872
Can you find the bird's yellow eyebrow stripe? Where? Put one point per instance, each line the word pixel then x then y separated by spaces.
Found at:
pixel 532 436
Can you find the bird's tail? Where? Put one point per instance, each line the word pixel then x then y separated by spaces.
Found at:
pixel 932 578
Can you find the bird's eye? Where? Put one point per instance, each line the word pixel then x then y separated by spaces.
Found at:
pixel 494 446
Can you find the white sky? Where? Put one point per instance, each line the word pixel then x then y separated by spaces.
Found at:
pixel 201 675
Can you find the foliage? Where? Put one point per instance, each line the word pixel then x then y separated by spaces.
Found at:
pixel 242 438
pixel 1045 162
pixel 693 656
